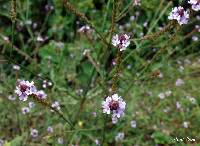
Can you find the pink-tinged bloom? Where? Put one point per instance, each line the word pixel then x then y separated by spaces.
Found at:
pixel 24 89
pixel 114 105
pixel 121 41
pixel 179 14
pixel 16 67
pixel 56 105
pixel 41 95
pixel 136 2
pixel 195 4
pixel 34 133
pixel 25 110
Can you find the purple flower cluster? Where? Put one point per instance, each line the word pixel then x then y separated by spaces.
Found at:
pixel 26 88
pixel 195 4
pixel 179 14
pixel 115 105
pixel 121 41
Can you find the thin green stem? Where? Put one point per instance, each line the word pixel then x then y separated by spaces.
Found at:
pixel 13 33
pixel 47 104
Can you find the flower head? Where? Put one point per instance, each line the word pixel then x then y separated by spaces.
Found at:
pixel 31 104
pixel 179 82
pixel 97 142
pixel 56 105
pixel 178 105
pixel 34 133
pixel 24 89
pixel 85 29
pixel 119 137
pixel 121 41
pixel 114 105
pixel 50 129
pixel 46 84
pixel 41 95
pixel 195 4
pixel 1 142
pixel 161 95
pixel 12 97
pixel 25 110
pixel 179 14
pixel 61 140
pixel 185 124
pixel 133 124
pixel 16 67
pixel 136 2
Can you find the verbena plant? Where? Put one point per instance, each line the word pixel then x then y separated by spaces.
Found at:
pixel 101 72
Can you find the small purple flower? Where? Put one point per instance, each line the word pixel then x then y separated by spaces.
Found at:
pixel 1 142
pixel 119 137
pixel 49 7
pixel 41 95
pixel 85 29
pixel 133 124
pixel 114 105
pixel 16 67
pixel 195 38
pixel 25 110
pixel 12 97
pixel 61 140
pixel 136 2
pixel 179 82
pixel 34 133
pixel 132 18
pixel 56 105
pixel 197 27
pixel 41 39
pixel 24 89
pixel 179 14
pixel 94 114
pixel 161 95
pixel 195 4
pixel 178 105
pixel 50 129
pixel 46 84
pixel 121 41
pixel 97 142
pixel 31 104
